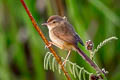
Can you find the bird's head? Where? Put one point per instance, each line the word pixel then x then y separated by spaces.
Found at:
pixel 54 21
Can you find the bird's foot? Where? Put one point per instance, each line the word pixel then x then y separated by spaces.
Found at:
pixel 49 45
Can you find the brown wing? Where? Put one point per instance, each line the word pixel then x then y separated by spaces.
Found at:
pixel 66 33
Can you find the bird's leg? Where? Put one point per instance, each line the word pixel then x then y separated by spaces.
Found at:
pixel 66 57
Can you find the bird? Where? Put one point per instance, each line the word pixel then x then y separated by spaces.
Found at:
pixel 63 35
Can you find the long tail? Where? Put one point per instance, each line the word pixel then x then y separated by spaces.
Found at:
pixel 85 57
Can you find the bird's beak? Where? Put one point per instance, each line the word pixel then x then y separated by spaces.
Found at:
pixel 44 24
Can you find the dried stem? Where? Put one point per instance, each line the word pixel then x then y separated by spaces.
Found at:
pixel 60 7
pixel 45 40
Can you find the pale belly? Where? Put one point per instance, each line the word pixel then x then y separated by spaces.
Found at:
pixel 59 43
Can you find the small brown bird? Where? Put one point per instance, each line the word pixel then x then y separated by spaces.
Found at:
pixel 64 36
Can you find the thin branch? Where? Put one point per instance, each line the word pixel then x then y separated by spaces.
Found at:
pixel 45 40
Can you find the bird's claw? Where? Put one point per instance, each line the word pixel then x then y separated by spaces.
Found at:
pixel 49 45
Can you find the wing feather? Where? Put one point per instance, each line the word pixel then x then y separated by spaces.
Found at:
pixel 67 33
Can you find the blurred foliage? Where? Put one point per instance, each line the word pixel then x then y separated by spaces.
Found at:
pixel 22 50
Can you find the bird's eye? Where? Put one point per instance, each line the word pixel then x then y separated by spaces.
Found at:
pixel 54 21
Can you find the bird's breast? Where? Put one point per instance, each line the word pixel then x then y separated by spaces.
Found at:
pixel 55 39
pixel 59 42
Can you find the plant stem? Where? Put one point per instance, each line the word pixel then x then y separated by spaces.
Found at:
pixel 60 7
pixel 45 40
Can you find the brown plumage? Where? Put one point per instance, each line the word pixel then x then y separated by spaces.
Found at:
pixel 55 17
pixel 66 32
pixel 62 33
pixel 64 36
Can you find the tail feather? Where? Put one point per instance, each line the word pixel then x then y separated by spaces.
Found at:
pixel 79 40
pixel 85 57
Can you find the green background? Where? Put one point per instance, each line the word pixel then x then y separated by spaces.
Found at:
pixel 22 50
